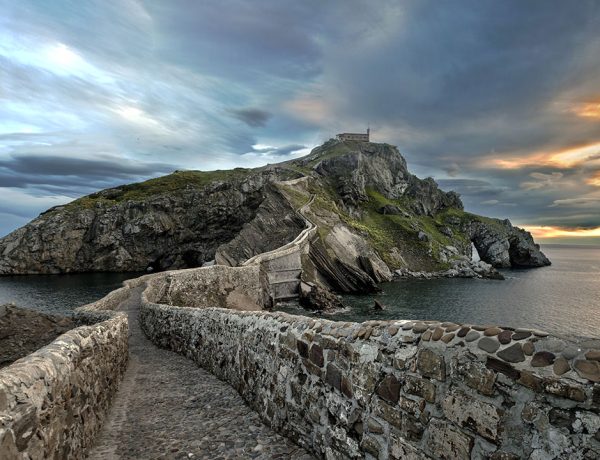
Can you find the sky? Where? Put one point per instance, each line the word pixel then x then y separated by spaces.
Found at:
pixel 497 100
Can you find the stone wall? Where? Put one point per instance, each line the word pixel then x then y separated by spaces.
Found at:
pixel 397 389
pixel 239 288
pixel 53 401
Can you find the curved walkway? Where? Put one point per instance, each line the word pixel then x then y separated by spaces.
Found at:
pixel 169 408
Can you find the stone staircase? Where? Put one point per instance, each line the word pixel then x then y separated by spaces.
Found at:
pixel 283 266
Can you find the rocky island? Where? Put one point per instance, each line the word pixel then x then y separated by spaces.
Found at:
pixel 373 220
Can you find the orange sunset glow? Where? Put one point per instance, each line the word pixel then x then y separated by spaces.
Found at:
pixel 566 158
pixel 539 231
pixel 595 179
pixel 587 110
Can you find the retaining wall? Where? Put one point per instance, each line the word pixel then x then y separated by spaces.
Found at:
pixel 397 389
pixel 53 401
pixel 240 288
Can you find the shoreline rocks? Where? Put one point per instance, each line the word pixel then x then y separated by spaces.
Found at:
pixel 23 331
pixel 460 269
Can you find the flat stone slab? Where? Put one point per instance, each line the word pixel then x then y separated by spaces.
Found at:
pixel 488 344
pixel 512 354
pixel 168 407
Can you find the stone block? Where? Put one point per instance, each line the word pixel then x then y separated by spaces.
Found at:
pixel 469 412
pixel 503 367
pixel 316 355
pixel 346 387
pixel 390 414
pixel 445 441
pixel 564 390
pixel 370 445
pixel 411 406
pixel 374 426
pixel 400 449
pixel 430 364
pixel 333 376
pixel 389 388
pixel 419 387
pixel 530 380
pixel 478 377
pixel 302 348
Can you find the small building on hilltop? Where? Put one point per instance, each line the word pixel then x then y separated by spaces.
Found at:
pixel 354 136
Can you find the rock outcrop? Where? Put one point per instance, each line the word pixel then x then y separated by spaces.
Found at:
pixel 107 232
pixel 372 217
pixel 275 224
pixel 503 246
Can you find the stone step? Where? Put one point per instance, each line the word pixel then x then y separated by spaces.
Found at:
pixel 288 275
pixel 289 280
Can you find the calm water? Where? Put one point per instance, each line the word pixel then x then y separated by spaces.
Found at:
pixel 563 299
pixel 56 293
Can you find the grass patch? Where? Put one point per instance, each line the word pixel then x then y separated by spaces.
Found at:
pixel 177 181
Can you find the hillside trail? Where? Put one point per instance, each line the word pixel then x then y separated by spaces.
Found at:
pixel 169 408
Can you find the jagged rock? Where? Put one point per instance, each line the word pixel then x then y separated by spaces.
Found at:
pixel 314 297
pixel 461 268
pixel 392 210
pixel 373 269
pixel 428 199
pixel 275 224
pixel 377 305
pixel 339 275
pixel 502 245
pixel 176 229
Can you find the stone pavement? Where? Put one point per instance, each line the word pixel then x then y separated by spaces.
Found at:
pixel 169 408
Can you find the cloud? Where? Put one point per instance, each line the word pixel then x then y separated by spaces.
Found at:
pixel 255 118
pixel 278 151
pixel 453 169
pixel 581 202
pixel 477 93
pixel 542 180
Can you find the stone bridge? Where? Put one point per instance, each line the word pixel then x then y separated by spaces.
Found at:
pixel 283 266
pixel 203 375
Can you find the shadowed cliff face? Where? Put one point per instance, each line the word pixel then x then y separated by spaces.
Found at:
pixel 372 215
pixel 178 229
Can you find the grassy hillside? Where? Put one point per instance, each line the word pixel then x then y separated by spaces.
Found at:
pixel 172 183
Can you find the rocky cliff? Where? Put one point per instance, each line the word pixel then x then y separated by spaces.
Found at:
pixel 373 217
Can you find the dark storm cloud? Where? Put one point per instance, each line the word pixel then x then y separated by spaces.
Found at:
pixel 52 165
pixel 162 83
pixel 252 117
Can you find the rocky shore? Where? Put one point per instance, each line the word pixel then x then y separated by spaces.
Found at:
pixel 23 331
pixel 462 268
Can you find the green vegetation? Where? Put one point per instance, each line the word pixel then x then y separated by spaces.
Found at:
pixel 296 197
pixel 332 149
pixel 179 180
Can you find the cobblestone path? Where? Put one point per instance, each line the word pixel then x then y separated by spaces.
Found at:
pixel 169 408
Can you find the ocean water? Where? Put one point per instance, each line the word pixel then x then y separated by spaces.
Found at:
pixel 563 299
pixel 59 293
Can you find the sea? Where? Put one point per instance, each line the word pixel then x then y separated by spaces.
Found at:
pixel 563 299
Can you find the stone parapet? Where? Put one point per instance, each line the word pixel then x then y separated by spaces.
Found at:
pixel 397 389
pixel 53 401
